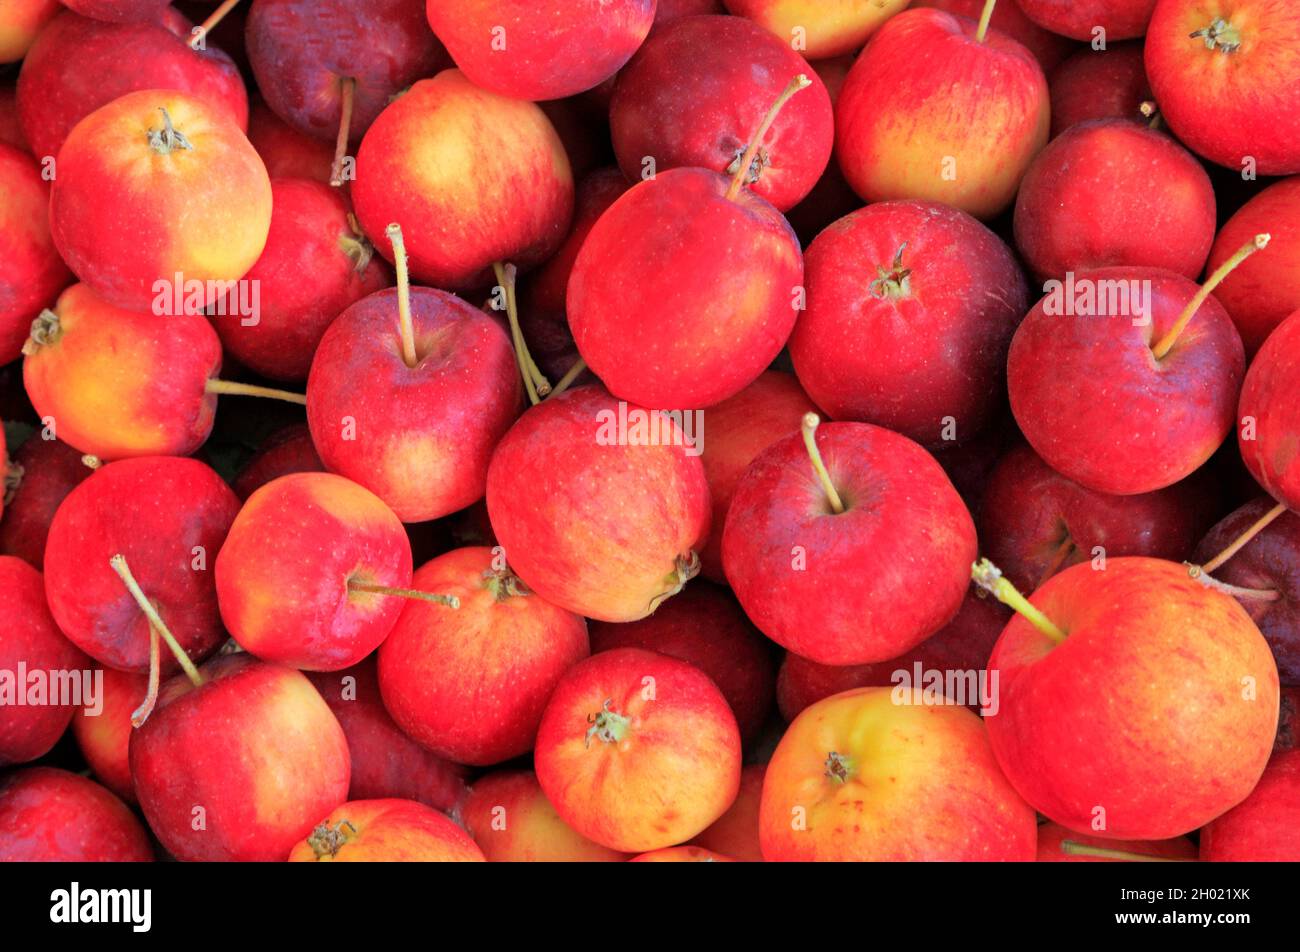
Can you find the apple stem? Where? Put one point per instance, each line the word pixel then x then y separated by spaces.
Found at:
pixel 347 87
pixel 1072 848
pixel 504 584
pixel 989 577
pixel 756 140
pixel 231 388
pixel 1062 553
pixel 985 16
pixel 685 568
pixel 141 713
pixel 810 423
pixel 166 140
pixel 570 375
pixel 535 381
pixel 1236 591
pixel 46 329
pixel 1151 111
pixel 1166 343
pixel 118 562
pixel 216 16
pixel 1239 543
pixel 356 585
pixel 607 725
pixel 405 326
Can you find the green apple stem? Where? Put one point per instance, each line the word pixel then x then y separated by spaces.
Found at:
pixel 141 713
pixel 989 577
pixel 535 381
pixel 985 16
pixel 118 562
pixel 504 584
pixel 570 375
pixel 1166 343
pixel 607 725
pixel 810 423
pixel 406 327
pixel 756 140
pixel 1071 848
pixel 231 388
pixel 168 139
pixel 347 89
pixel 199 40
pixel 356 245
pixel 1152 112
pixel 356 585
pixel 1239 543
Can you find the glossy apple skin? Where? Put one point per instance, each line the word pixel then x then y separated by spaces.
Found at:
pixel 51 470
pixel 286 451
pixel 1270 561
pixel 168 516
pixel 314 266
pixel 900 755
pixel 910 355
pixel 598 528
pixel 1048 48
pixel 57 816
pixel 553 48
pixel 1230 106
pixel 1051 835
pixel 1268 398
pixel 696 323
pixel 121 383
pixel 1085 191
pixel 20 24
pixel 893 121
pixel 1096 406
pixel 696 92
pixel 286 152
pixel 1074 731
pixel 1098 84
pixel 282 575
pixel 735 833
pixel 826 29
pixel 784 549
pixel 29 636
pixel 118 11
pixel 1121 19
pixel 31 271
pixel 418 437
pixel 512 821
pixel 255 746
pixel 674 772
pixel 113 59
pixel 105 738
pixel 704 626
pixel 1265 827
pixel 508 196
pixel 471 683
pixel 389 831
pixel 125 218
pixel 1263 290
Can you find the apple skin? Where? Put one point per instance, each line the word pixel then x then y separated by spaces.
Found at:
pixel 1096 406
pixel 314 266
pixel 418 437
pixel 601 529
pixel 893 121
pixel 31 271
pixel 20 25
pixel 51 470
pixel 1264 289
pixel 286 451
pixel 512 821
pixel 1142 699
pixel 826 29
pixel 1271 561
pixel 787 554
pixel 389 831
pixel 1121 19
pixel 498 655
pixel 105 738
pixel 1099 84
pixel 1230 106
pixel 59 817
pixel 695 93
pixel 669 11
pixel 127 219
pixel 735 833
pixel 681 854
pixel 900 754
pixel 704 626
pixel 1083 193
pixel 697 323
pixel 282 575
pixel 28 635
pixel 286 152
pixel 915 353
pixel 1268 398
pixel 255 746
pixel 1265 827
pixel 10 131
pixel 1048 48
pixel 552 48
pixel 118 11
pixel 1051 835
pixel 515 206
pixel 168 516
pixel 1288 720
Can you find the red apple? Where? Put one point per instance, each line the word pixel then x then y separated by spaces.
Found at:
pixel 286 451
pixel 118 11
pixel 286 152
pixel 815 28
pixel 1048 48
pixel 1098 84
pixel 386 831
pixel 1265 827
pixel 735 833
pixel 60 817
pixel 1270 414
pixel 20 23
pixel 104 735
pixel 1082 19
pixel 42 473
pixel 513 822
pixel 11 132
pixel 1056 844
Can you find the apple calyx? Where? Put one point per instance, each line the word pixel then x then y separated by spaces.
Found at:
pixel 762 159
pixel 1163 346
pixel 535 382
pixel 13 478
pixel 989 577
pixel 168 139
pixel 327 841
pixel 374 588
pixel 405 326
pixel 231 388
pixel 504 584
pixel 893 282
pixel 1219 35
pixel 839 768
pixel 356 245
pixel 1073 848
pixel 810 423
pixel 607 725
pixel 347 89
pixel 744 165
pixel 685 568
pixel 46 330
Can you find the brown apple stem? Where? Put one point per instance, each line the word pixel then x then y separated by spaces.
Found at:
pixel 607 725
pixel 570 375
pixel 347 87
pixel 756 140
pixel 405 325
pixel 535 381
pixel 141 713
pixel 118 562
pixel 1236 591
pixel 1166 343
pixel 1152 112
pixel 985 16
pixel 1063 552
pixel 215 17
pixel 810 423
pixel 1239 543
pixel 989 577
pixel 1071 848
pixel 233 389
pixel 356 585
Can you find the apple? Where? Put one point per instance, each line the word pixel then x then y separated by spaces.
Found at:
pixel 21 21
pixel 681 854
pixel 1056 844
pixel 512 822
pixel 386 831
pixel 288 450
pixel 1098 84
pixel 64 818
pixel 1048 48
pixel 1089 19
pixel 817 29
pixel 104 736
pixel 735 833
pixel 1270 416
pixel 669 11
pixel 1265 827
pixel 118 11
pixel 286 152
pixel 41 475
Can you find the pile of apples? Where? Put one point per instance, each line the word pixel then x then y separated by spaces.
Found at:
pixel 607 429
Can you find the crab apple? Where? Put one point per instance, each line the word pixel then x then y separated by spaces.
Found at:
pixel 540 49
pixel 412 169
pixel 498 657
pixel 31 271
pixel 31 647
pixel 735 833
pixel 690 96
pixel 59 816
pixel 1270 414
pixel 386 831
pixel 681 854
pixel 1048 48
pixel 167 516
pixel 512 821
pixel 1086 729
pixel 869 504
pixel 637 750
pixel 894 132
pixel 118 11
pixel 104 735
pixel 818 30
pixel 286 451
pixel 286 152
pixel 1056 844
pixel 21 21
pixel 42 474
pixel 600 506
pixel 845 781
pixel 253 747
pixel 1081 19
pixel 1098 84
pixel 1265 827
pixel 922 346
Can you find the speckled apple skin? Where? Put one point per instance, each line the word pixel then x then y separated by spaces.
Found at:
pixel 51 470
pixel 392 831
pixel 105 738
pixel 52 815
pixel 826 29
pixel 1268 399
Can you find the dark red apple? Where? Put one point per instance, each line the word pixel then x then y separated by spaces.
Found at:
pixel 1098 84
pixel 286 451
pixel 1049 48
pixel 55 816
pixel 103 732
pixel 1082 19
pixel 42 475
pixel 287 152
pixel 1269 414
